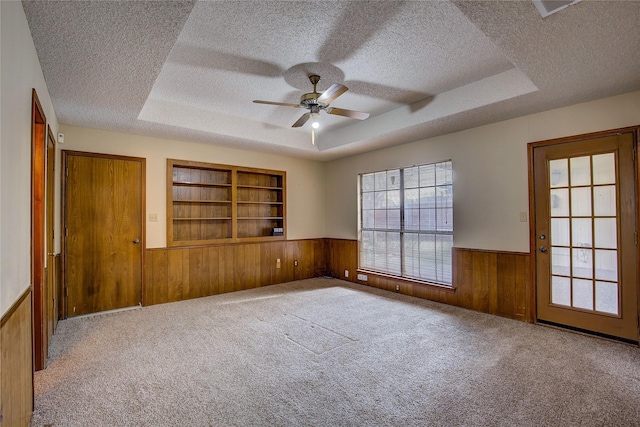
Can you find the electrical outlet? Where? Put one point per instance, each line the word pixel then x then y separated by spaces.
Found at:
pixel 295 263
pixel 153 217
pixel 278 263
pixel 397 288
pixel 523 217
pixel 346 273
pixel 362 277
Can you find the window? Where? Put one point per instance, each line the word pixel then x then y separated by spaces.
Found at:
pixel 406 222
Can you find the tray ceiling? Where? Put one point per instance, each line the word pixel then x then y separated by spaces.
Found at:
pixel 190 70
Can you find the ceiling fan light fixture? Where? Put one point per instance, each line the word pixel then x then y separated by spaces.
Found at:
pixel 315 114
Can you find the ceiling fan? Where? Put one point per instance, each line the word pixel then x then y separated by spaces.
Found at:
pixel 315 102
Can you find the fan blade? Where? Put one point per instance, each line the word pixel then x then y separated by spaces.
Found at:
pixel 329 95
pixel 302 120
pixel 348 113
pixel 282 104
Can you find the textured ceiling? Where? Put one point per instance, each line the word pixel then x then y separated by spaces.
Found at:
pixel 190 69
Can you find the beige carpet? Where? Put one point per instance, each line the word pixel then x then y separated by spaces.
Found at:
pixel 323 352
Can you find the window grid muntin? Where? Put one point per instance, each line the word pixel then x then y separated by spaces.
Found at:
pixel 592 248
pixel 441 231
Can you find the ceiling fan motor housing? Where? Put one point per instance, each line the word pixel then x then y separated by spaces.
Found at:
pixel 311 99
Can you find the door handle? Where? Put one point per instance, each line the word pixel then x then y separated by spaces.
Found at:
pixel 136 240
pixel 542 249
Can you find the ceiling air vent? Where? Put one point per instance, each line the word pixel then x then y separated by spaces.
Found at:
pixel 548 7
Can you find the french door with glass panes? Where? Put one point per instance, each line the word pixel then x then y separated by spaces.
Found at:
pixel 585 226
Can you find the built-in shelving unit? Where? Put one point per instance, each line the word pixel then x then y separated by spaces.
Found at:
pixel 210 203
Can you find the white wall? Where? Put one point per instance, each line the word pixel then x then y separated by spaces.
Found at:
pixel 305 179
pixel 20 73
pixel 490 170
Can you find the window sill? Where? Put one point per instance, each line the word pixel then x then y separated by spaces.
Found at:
pixel 438 286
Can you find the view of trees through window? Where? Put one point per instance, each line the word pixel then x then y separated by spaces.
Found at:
pixel 406 222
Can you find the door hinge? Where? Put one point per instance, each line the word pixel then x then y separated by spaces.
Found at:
pixel 635 238
pixel 66 292
pixel 66 172
pixel 66 231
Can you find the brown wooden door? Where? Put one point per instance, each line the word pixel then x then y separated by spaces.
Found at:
pixel 104 232
pixel 585 235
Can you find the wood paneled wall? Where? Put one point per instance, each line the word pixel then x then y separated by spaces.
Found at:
pixel 486 281
pixel 493 282
pixel 51 295
pixel 16 364
pixel 179 273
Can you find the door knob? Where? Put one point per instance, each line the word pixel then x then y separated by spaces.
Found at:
pixel 542 249
pixel 136 240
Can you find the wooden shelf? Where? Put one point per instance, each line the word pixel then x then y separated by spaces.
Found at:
pixel 211 203
pixel 202 201
pixel 246 202
pixel 260 217
pixel 200 184
pixel 224 218
pixel 258 187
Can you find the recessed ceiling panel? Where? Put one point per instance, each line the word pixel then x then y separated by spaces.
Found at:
pixel 390 55
pixel 189 70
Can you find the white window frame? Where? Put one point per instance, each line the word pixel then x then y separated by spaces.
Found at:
pixel 405 223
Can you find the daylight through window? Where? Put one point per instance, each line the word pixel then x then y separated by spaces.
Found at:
pixel 406 222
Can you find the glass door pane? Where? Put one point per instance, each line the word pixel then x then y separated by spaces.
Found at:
pixel 583 210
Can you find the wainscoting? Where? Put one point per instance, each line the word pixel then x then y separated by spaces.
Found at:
pixel 16 388
pixel 50 310
pixel 180 273
pixel 487 281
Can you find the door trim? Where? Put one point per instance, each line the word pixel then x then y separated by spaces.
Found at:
pixel 63 216
pixel 635 130
pixel 38 176
pixel 50 240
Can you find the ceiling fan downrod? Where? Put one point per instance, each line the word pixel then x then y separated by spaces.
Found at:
pixel 314 79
